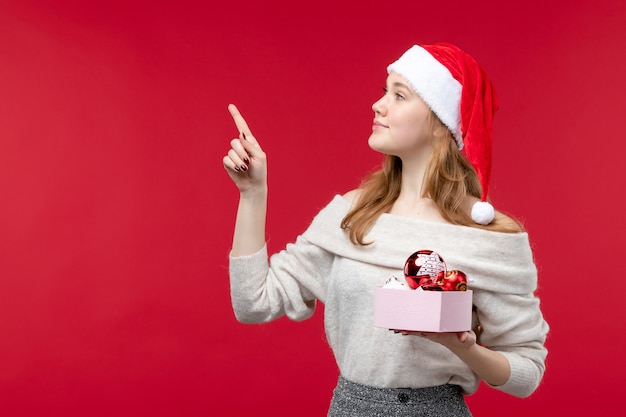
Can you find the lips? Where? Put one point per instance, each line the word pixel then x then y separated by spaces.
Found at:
pixel 379 124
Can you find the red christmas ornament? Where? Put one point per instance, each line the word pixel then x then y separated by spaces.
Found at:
pixel 453 281
pixel 427 269
pixel 423 268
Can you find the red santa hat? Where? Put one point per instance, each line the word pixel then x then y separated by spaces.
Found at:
pixel 458 91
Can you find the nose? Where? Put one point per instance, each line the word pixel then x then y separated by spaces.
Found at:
pixel 379 106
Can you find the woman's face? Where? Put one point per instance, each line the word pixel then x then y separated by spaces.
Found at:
pixel 401 121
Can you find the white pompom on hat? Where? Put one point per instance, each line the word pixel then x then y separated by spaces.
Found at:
pixel 459 92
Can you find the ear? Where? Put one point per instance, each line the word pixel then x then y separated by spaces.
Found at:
pixel 440 131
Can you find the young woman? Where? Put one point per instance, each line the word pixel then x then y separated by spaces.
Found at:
pixel 433 124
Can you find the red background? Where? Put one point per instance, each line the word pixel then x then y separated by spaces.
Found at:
pixel 116 215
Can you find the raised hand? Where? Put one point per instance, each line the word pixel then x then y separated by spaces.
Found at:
pixel 247 167
pixel 246 163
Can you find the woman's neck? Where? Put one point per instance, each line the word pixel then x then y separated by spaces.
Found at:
pixel 412 181
pixel 411 202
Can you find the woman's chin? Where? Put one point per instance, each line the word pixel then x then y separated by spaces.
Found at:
pixel 374 144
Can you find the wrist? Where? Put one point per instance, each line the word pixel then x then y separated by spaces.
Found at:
pixel 464 349
pixel 491 366
pixel 254 193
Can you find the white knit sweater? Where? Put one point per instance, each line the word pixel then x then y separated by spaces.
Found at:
pixel 324 265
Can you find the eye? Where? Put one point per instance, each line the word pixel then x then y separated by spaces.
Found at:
pixel 398 95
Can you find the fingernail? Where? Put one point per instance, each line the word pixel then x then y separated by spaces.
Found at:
pixel 237 169
pixel 244 136
pixel 246 160
pixel 244 167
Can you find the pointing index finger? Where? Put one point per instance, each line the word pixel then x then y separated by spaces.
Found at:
pixel 240 122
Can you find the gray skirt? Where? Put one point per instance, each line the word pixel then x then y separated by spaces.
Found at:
pixel 351 399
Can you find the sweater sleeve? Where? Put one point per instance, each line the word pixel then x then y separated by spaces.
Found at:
pixel 289 283
pixel 514 326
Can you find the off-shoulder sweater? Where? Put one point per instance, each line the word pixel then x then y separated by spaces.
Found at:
pixel 324 265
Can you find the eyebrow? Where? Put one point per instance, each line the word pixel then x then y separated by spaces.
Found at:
pixel 401 85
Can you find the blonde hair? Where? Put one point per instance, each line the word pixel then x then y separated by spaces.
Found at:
pixel 448 181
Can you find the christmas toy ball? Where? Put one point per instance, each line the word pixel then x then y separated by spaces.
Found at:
pixel 424 267
pixel 453 280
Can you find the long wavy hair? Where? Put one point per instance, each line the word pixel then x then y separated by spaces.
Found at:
pixel 448 181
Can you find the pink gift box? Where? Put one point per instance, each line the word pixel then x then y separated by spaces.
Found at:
pixel 428 311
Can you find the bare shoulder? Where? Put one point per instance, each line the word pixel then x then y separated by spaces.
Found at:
pixel 508 223
pixel 352 195
pixel 502 222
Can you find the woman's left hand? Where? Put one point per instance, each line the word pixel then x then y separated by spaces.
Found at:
pixel 491 366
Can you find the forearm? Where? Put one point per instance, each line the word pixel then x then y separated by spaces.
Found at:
pixel 249 234
pixel 491 366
